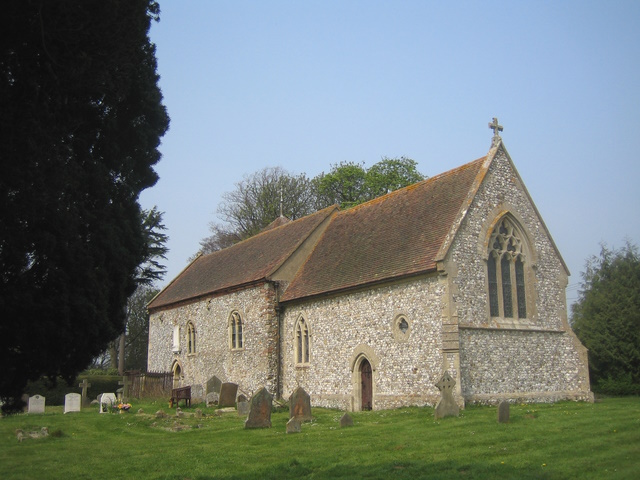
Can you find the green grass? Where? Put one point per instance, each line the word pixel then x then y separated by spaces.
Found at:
pixel 562 440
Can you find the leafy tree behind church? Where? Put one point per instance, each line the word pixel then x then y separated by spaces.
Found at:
pixel 81 118
pixel 258 198
pixel 606 318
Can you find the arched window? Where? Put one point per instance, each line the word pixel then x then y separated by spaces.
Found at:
pixel 191 338
pixel 302 342
pixel 506 272
pixel 235 331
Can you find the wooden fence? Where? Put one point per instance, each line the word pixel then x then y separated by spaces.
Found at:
pixel 149 384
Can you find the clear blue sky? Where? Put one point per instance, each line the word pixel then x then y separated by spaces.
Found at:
pixel 307 84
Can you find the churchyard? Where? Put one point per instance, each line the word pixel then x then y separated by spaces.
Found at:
pixel 562 440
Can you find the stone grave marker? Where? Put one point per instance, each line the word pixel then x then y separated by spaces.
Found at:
pixel 243 406
pixel 447 406
pixel 25 402
pixel 84 386
pixel 213 385
pixel 125 388
pixel 503 412
pixel 300 405
pixel 260 410
pixel 346 420
pixel 294 425
pixel 72 402
pixel 228 392
pixel 106 400
pixel 197 394
pixel 36 404
pixel 212 398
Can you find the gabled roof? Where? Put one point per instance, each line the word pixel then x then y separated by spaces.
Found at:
pixel 393 236
pixel 244 263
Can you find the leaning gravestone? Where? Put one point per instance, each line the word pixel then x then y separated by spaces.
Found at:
pixel 243 406
pixel 36 404
pixel 503 412
pixel 447 406
pixel 213 385
pixel 346 420
pixel 72 402
pixel 107 400
pixel 294 425
pixel 228 392
pixel 260 410
pixel 300 405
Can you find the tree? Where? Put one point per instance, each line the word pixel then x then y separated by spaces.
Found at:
pixel 606 318
pixel 137 335
pixel 391 174
pixel 256 202
pixel 349 184
pixel 81 118
pixel 344 185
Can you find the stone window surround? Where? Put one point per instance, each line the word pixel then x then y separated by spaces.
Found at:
pixel 236 335
pixel 302 338
pixel 191 338
pixel 401 334
pixel 498 214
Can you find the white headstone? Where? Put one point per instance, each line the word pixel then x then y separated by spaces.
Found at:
pixel 72 402
pixel 36 404
pixel 107 399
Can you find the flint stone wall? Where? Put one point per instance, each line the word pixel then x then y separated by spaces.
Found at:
pixel 251 367
pixel 535 359
pixel 404 370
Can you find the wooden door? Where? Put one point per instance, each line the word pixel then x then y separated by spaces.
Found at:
pixel 367 385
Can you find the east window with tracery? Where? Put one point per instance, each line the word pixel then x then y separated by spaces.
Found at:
pixel 235 331
pixel 506 271
pixel 302 342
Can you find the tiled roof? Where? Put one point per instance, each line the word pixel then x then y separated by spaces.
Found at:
pixel 392 236
pixel 246 262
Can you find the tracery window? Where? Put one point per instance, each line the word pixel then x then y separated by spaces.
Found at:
pixel 235 331
pixel 506 272
pixel 302 342
pixel 191 338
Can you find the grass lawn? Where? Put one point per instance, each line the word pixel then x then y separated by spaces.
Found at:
pixel 562 440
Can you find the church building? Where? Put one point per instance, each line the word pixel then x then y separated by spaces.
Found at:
pixel 366 308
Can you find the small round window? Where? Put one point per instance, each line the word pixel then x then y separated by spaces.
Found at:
pixel 401 328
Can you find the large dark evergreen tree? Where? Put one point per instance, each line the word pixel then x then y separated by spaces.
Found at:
pixel 606 318
pixel 81 117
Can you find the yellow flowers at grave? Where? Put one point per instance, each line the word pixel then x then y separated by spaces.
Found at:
pixel 124 407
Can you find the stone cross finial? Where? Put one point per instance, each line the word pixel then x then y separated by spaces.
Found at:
pixel 496 129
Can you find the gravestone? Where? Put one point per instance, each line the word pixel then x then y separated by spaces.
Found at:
pixel 36 404
pixel 197 394
pixel 294 425
pixel 260 410
pixel 125 388
pixel 228 392
pixel 300 405
pixel 447 406
pixel 503 412
pixel 212 398
pixel 346 420
pixel 25 402
pixel 243 406
pixel 72 402
pixel 84 386
pixel 106 400
pixel 213 385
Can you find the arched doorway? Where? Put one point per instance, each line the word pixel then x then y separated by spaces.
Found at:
pixel 177 373
pixel 366 389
